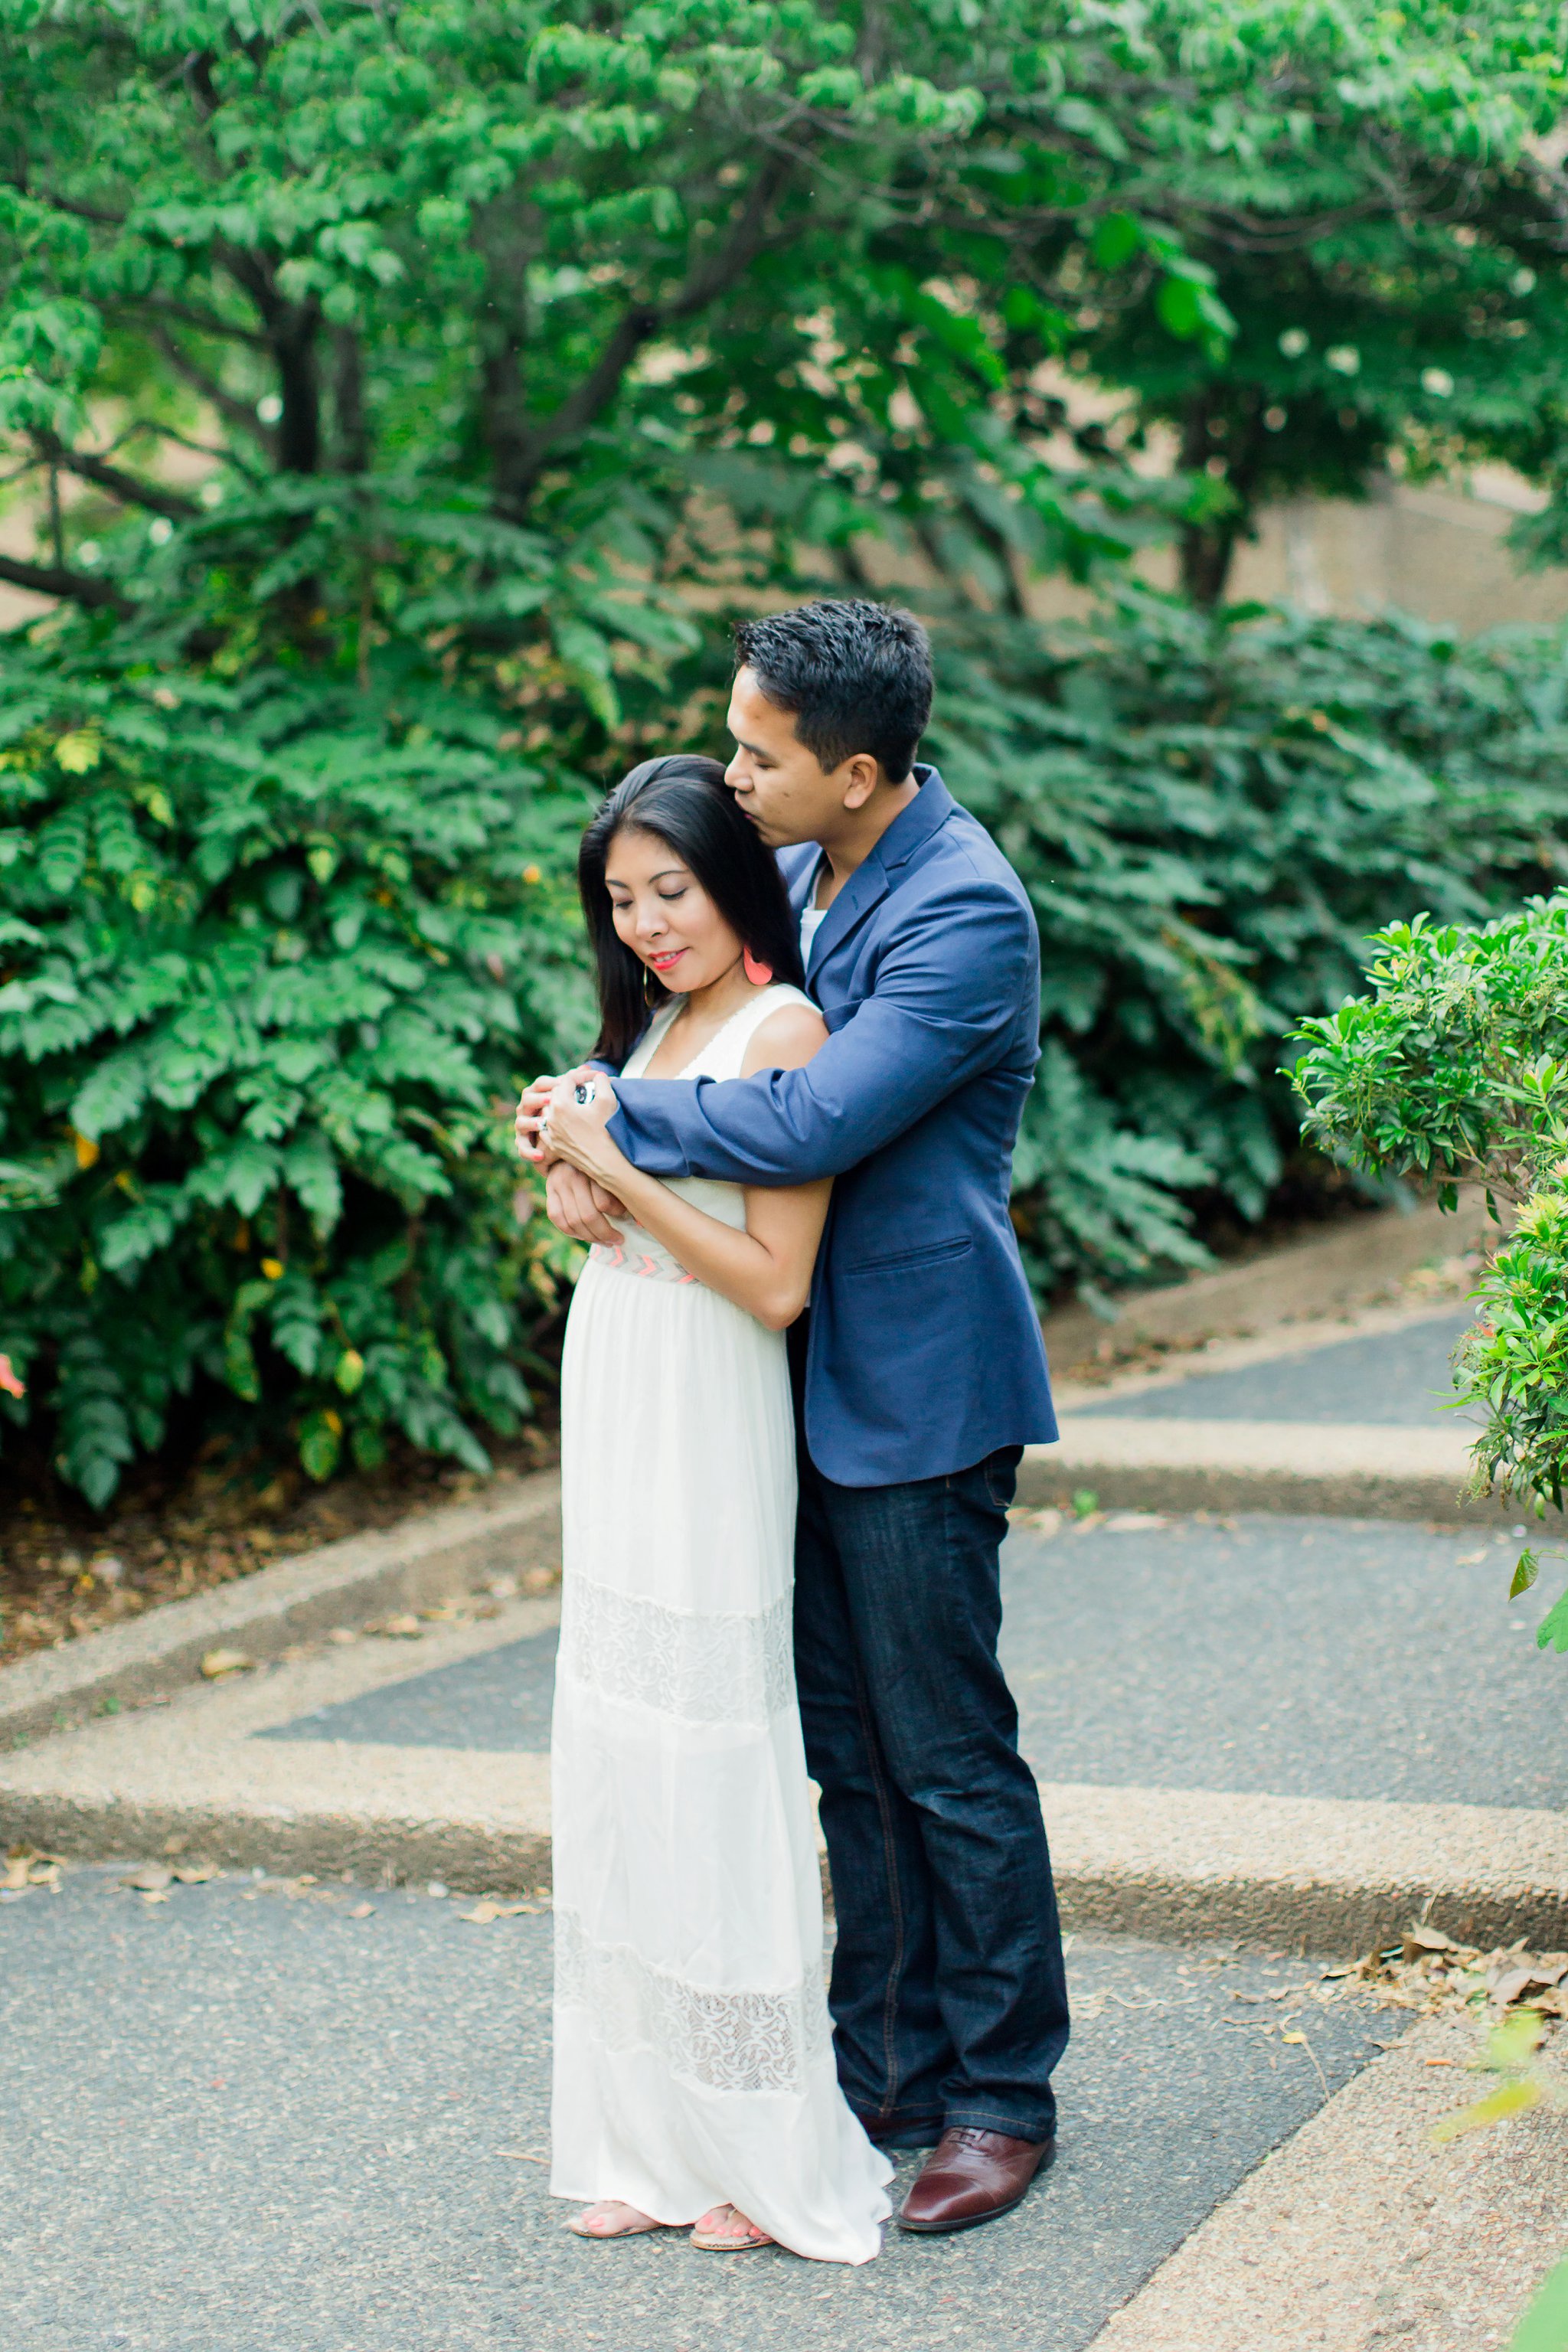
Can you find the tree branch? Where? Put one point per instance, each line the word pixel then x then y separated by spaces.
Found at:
pixel 239 414
pixel 55 580
pixel 588 400
pixel 128 488
pixel 206 322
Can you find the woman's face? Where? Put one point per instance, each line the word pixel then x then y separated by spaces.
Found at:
pixel 664 915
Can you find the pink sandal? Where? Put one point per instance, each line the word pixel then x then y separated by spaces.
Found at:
pixel 711 2236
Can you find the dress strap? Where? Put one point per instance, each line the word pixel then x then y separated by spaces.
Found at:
pixel 726 1049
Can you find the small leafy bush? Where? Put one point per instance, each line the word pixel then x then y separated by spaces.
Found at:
pixel 274 955
pixel 1456 1066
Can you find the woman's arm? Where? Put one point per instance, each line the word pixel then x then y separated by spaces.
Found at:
pixel 766 1268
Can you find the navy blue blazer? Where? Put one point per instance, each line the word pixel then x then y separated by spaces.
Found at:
pixel 925 1352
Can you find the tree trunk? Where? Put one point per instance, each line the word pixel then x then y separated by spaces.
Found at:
pixel 351 430
pixel 1206 552
pixel 1207 549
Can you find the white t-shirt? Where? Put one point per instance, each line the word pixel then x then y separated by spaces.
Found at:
pixel 812 918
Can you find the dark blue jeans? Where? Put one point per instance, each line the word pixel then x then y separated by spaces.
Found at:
pixel 948 1995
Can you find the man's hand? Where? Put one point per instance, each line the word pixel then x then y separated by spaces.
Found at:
pixel 576 1205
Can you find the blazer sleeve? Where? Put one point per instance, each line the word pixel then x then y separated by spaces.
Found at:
pixel 944 1006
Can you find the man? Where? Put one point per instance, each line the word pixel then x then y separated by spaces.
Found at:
pixel 921 1376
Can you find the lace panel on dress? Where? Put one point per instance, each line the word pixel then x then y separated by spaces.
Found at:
pixel 735 2041
pixel 712 1668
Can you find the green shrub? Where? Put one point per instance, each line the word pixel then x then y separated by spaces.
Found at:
pixel 1454 1067
pixel 273 958
pixel 272 963
pixel 1212 815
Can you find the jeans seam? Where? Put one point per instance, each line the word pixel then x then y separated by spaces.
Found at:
pixel 895 1897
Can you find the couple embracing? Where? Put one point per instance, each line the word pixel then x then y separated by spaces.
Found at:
pixel 800 1366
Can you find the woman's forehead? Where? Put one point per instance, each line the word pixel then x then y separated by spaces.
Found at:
pixel 634 855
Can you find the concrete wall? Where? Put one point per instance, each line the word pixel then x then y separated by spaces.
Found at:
pixel 1438 552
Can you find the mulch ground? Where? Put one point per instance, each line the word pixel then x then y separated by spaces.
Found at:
pixel 66 1571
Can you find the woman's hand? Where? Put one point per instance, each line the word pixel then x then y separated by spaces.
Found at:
pixel 575 1132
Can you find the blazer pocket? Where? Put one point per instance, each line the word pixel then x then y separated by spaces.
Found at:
pixel 913 1261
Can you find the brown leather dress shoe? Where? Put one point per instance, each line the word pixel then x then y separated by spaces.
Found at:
pixel 971 2177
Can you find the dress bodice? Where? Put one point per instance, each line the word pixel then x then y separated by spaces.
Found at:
pixel 723 1056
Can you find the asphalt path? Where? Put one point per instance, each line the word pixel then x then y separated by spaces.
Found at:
pixel 244 2120
pixel 1291 1657
pixel 1383 1379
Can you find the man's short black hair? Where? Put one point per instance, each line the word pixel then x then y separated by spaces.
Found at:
pixel 855 677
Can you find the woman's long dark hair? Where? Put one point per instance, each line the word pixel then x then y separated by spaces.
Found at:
pixel 682 800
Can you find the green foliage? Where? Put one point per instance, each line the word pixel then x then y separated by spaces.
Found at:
pixel 275 957
pixel 399 399
pixel 1544 2326
pixel 1456 1066
pixel 1212 813
pixel 1375 221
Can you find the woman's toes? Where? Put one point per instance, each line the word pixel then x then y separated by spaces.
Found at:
pixel 610 2220
pixel 726 2227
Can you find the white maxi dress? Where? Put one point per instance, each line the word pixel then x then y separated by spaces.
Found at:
pixel 693 2060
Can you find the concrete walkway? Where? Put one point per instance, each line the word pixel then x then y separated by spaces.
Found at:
pixel 1397 1375
pixel 1356 1420
pixel 309 2114
pixel 248 2119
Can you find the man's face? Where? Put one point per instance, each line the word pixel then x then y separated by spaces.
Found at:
pixel 780 785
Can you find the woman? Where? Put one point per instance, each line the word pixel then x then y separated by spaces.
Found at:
pixel 694 2078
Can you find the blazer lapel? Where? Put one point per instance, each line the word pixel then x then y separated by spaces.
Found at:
pixel 853 903
pixel 873 881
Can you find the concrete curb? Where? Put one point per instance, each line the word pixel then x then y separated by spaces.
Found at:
pixel 1245 1465
pixel 434 1556
pixel 467 1854
pixel 1362 2231
pixel 1305 1280
pixel 1307 1874
pixel 1173 1866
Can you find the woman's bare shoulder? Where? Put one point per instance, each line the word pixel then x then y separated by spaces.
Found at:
pixel 785 1039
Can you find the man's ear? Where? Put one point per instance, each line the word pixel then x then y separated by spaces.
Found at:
pixel 859 772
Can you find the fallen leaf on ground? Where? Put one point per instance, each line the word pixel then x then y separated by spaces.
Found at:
pixel 398 1629
pixel 1135 1523
pixel 484 1912
pixel 344 1633
pixel 150 1880
pixel 25 1866
pixel 1511 2099
pixel 521 2156
pixel 196 1874
pixel 218 1663
pixel 1427 1971
pixel 362 1911
pixel 153 1896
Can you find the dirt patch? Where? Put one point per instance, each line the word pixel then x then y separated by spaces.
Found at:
pixel 66 1572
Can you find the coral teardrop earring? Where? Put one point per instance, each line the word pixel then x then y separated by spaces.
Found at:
pixel 759 974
